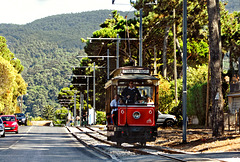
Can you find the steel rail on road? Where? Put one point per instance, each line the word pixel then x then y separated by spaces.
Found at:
pixel 135 149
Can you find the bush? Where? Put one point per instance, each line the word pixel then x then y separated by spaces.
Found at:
pixel 166 95
pixel 197 102
pixel 38 118
pixel 101 117
pixel 59 122
pixel 60 116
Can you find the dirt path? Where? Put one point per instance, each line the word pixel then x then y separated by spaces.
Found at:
pixel 198 140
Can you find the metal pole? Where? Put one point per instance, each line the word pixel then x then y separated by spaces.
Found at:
pixel 82 106
pixel 21 103
pixel 87 99
pixel 140 39
pixel 75 108
pixel 184 70
pixel 80 109
pixel 94 98
pixel 155 61
pixel 175 58
pixel 107 64
pixel 117 65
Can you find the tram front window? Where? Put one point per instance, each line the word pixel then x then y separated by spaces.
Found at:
pixel 145 95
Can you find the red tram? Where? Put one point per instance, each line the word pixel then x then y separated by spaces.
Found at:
pixel 136 120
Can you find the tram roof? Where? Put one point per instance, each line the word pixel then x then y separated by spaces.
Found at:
pixel 130 73
pixel 135 77
pixel 130 70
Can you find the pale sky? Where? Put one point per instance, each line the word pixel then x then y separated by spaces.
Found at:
pixel 26 11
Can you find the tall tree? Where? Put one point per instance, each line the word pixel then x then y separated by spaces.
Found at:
pixel 12 84
pixel 216 69
pixel 48 112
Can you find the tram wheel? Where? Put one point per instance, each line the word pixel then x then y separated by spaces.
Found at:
pixel 119 143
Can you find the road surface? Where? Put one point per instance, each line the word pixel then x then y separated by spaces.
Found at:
pixel 43 144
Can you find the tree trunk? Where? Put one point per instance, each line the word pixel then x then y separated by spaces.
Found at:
pixel 216 69
pixel 165 52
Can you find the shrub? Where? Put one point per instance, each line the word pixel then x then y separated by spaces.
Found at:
pixel 101 117
pixel 60 116
pixel 38 118
pixel 197 102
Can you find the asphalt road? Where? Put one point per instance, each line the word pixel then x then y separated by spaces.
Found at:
pixel 43 144
pixel 50 144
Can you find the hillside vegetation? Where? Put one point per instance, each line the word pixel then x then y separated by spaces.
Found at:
pixel 48 48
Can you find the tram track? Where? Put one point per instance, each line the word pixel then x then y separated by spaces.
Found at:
pixel 134 148
pixel 157 148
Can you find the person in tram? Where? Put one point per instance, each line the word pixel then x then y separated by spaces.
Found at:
pixel 150 101
pixel 114 106
pixel 131 94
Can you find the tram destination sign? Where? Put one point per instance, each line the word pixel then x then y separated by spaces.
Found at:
pixel 135 71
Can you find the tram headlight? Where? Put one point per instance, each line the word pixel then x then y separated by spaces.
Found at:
pixel 136 115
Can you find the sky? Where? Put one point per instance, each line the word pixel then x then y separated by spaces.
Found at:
pixel 26 11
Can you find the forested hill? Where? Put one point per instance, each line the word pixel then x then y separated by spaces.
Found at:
pixel 47 49
pixel 65 30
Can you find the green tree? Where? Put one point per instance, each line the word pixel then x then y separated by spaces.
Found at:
pixel 12 84
pixel 60 116
pixel 166 96
pixel 48 112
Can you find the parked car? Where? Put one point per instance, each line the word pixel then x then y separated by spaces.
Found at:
pixel 21 118
pixel 10 123
pixel 166 119
pixel 2 131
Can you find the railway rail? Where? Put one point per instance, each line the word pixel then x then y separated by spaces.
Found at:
pixel 97 139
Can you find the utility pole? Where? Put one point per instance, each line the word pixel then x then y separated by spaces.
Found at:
pixel 21 103
pixel 81 107
pixel 94 98
pixel 175 57
pixel 184 71
pixel 155 61
pixel 140 38
pixel 87 99
pixel 75 111
pixel 107 64
pixel 118 41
